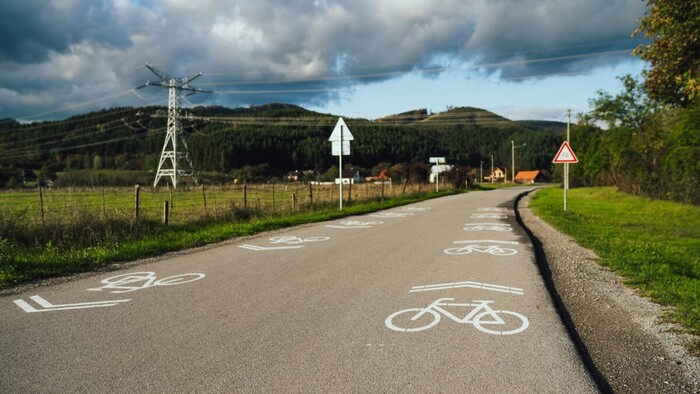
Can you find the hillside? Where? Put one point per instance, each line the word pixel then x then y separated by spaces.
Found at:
pixel 469 116
pixel 543 125
pixel 272 139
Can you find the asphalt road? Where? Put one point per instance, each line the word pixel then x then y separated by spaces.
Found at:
pixel 316 308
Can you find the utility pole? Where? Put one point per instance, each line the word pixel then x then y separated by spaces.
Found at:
pixel 566 165
pixel 491 168
pixel 512 159
pixel 170 163
pixel 481 172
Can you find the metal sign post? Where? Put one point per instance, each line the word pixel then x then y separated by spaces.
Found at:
pixel 437 161
pixel 340 146
pixel 565 156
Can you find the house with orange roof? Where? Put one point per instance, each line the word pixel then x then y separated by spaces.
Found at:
pixel 528 177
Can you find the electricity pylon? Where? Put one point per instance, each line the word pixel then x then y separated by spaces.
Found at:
pixel 174 161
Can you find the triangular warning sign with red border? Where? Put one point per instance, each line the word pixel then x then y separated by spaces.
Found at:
pixel 565 155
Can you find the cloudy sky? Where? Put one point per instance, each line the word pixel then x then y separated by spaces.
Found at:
pixel 522 59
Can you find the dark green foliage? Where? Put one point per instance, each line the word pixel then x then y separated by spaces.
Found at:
pixel 257 143
pixel 647 149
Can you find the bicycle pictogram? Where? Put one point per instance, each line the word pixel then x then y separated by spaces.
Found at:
pixel 481 316
pixel 142 280
pixel 487 227
pixel 391 214
pixel 355 224
pixel 294 240
pixel 483 246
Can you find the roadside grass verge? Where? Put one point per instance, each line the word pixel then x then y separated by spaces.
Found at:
pixel 654 244
pixel 92 245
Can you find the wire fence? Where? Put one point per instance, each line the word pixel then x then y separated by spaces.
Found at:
pixel 187 204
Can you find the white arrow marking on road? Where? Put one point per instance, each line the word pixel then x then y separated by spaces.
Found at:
pixel 262 248
pixel 49 307
pixel 475 285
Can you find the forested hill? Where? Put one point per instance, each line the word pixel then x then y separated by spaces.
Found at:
pixel 277 137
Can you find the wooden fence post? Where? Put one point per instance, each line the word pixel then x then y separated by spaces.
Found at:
pixel 311 195
pixel 104 206
pixel 165 213
pixel 204 196
pixel 294 201
pixel 137 189
pixel 273 198
pixel 245 196
pixel 41 203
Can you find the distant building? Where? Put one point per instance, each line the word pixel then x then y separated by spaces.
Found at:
pixel 499 175
pixel 382 177
pixel 528 177
pixel 350 176
pixel 297 175
pixel 294 176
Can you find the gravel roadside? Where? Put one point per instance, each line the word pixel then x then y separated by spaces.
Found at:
pixel 622 337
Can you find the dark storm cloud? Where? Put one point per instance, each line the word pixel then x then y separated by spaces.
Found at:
pixel 32 29
pixel 57 54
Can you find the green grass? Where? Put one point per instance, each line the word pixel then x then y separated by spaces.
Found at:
pixel 125 240
pixel 655 245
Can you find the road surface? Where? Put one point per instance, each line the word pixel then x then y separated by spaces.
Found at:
pixel 442 295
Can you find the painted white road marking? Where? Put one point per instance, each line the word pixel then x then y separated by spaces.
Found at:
pixel 488 216
pixel 265 248
pixel 291 242
pixel 470 284
pixel 49 307
pixel 485 241
pixel 483 246
pixel 354 224
pixel 391 215
pixel 487 226
pixel 417 209
pixel 141 280
pixel 492 209
pixel 481 316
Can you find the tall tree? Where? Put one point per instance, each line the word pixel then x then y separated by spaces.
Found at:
pixel 674 53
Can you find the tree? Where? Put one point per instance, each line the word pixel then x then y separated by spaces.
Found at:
pixel 674 53
pixel 631 109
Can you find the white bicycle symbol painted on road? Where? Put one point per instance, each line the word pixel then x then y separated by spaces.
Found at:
pixel 483 246
pixel 391 215
pixel 355 224
pixel 294 240
pixel 141 280
pixel 482 316
pixel 487 226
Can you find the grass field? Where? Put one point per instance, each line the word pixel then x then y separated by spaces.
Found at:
pixel 187 204
pixel 655 245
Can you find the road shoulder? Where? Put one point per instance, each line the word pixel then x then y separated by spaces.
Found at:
pixel 621 335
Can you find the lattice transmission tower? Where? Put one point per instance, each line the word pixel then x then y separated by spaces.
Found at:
pixel 175 159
